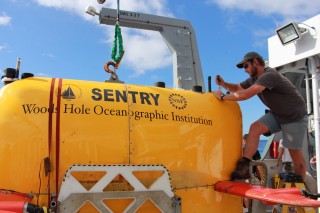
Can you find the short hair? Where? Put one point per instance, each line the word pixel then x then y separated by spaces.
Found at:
pixel 245 136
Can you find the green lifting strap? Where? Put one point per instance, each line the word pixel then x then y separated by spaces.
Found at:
pixel 117 42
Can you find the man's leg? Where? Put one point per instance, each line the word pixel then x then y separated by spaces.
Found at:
pixel 251 146
pixel 267 123
pixel 294 136
pixel 299 164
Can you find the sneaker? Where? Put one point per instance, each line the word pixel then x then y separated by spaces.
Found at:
pixel 245 210
pixel 242 170
pixel 310 183
pixel 277 208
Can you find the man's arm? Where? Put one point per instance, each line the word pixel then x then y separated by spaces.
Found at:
pixel 231 87
pixel 228 86
pixel 243 94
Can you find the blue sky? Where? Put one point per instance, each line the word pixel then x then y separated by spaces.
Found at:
pixel 56 38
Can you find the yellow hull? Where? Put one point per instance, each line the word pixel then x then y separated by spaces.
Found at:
pixel 195 136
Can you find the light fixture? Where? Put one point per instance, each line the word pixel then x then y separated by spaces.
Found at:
pixel 91 10
pixel 290 32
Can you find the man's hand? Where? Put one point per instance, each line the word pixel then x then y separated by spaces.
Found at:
pixel 218 94
pixel 219 80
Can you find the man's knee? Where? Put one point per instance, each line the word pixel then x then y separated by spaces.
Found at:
pixel 258 128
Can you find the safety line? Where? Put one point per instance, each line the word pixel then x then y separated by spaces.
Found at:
pixel 58 134
pixel 50 129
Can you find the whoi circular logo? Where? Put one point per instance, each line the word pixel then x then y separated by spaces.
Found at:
pixel 177 101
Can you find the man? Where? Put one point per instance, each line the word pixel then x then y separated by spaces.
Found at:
pixel 284 157
pixel 256 155
pixel 287 111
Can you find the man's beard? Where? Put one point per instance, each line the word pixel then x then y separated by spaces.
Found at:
pixel 254 72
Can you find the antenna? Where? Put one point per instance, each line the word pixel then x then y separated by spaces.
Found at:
pixel 18 67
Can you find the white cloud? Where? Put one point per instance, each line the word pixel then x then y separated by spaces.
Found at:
pixel 141 60
pixel 279 12
pixel 287 9
pixel 49 55
pixel 40 74
pixel 2 47
pixel 156 7
pixel 4 19
pixel 156 55
pixel 77 7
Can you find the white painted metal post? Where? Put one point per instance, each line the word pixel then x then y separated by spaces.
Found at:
pixel 313 61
